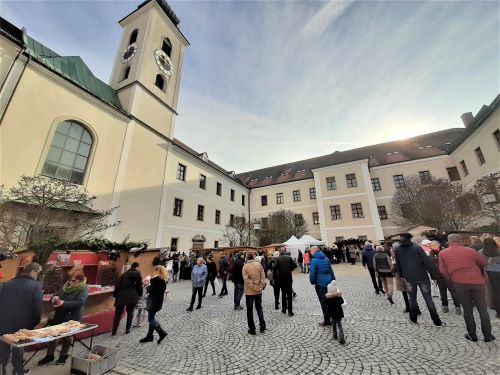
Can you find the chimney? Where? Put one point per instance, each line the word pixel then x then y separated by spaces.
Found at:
pixel 467 118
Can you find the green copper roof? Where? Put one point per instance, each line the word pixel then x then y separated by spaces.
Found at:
pixel 74 69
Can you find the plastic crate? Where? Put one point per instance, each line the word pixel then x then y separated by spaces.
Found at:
pixel 80 364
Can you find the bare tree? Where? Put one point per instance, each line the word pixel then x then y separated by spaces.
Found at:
pixel 487 191
pixel 436 202
pixel 42 212
pixel 238 232
pixel 279 226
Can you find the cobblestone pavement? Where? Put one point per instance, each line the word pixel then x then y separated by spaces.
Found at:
pixel 380 338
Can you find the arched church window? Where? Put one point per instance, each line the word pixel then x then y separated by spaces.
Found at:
pixel 133 36
pixel 167 47
pixel 126 72
pixel 159 82
pixel 69 152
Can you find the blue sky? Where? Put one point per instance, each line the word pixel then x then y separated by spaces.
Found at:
pixel 269 82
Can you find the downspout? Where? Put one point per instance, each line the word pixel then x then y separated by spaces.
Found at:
pixel 20 75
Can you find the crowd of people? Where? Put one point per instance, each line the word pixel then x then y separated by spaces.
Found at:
pixel 468 274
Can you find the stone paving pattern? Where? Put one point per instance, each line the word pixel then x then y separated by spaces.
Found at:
pixel 379 337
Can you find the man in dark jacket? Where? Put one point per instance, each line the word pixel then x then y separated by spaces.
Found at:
pixel 367 260
pixel 128 289
pixel 237 277
pixel 223 270
pixel 320 275
pixel 20 308
pixel 284 267
pixel 211 275
pixel 412 265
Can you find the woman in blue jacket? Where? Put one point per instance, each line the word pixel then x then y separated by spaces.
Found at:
pixel 198 278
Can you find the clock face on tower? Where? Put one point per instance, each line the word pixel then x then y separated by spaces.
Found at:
pixel 129 53
pixel 164 62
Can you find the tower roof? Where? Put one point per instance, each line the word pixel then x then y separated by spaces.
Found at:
pixel 166 8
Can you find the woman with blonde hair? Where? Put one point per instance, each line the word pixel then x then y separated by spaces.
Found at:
pixel 154 303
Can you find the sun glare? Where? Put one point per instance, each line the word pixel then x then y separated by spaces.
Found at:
pixel 403 133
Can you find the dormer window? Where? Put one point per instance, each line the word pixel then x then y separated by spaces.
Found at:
pixel 133 36
pixel 159 82
pixel 167 46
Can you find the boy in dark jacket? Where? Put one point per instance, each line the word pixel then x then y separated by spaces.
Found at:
pixel 212 274
pixel 20 308
pixel 128 289
pixel 367 260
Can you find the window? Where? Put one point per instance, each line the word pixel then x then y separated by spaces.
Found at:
pixel 133 37
pixel 351 180
pixel 331 184
pixel 263 200
pixel 181 172
pixel 296 195
pixel 376 184
pixel 126 72
pixel 299 220
pixel 217 216
pixel 312 193
pixel 242 199
pixel 496 135
pixel 339 238
pixel 216 244
pixel 159 81
pixel 232 195
pixel 363 238
pixel 173 243
pixel 399 180
pixel 315 218
pixel 279 198
pixel 231 220
pixel 203 182
pixel 218 190
pixel 167 47
pixel 453 174
pixel 335 212
pixel 382 212
pixel 69 152
pixel 425 177
pixel 464 167
pixel 177 207
pixel 480 156
pixel 201 212
pixel 357 210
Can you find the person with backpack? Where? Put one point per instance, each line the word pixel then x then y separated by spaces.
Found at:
pixel 383 266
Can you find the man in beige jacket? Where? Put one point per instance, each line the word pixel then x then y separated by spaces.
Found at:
pixel 254 284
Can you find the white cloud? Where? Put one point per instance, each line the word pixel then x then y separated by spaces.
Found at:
pixel 326 16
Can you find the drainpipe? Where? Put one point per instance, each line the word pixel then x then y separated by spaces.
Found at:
pixel 4 110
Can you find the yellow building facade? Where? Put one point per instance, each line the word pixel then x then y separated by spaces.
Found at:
pixel 118 141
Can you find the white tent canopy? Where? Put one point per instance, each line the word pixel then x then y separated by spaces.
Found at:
pixel 309 240
pixel 293 245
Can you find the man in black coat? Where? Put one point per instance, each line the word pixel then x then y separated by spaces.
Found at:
pixel 212 274
pixel 300 261
pixel 284 267
pixel 223 271
pixel 20 308
pixel 128 289
pixel 237 277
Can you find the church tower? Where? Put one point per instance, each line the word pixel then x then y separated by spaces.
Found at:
pixel 147 70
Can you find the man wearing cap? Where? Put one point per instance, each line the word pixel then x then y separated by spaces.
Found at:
pixel 464 267
pixel 367 261
pixel 412 265
pixel 285 265
pixel 237 278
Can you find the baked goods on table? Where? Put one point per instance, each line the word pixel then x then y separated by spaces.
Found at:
pixel 52 331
